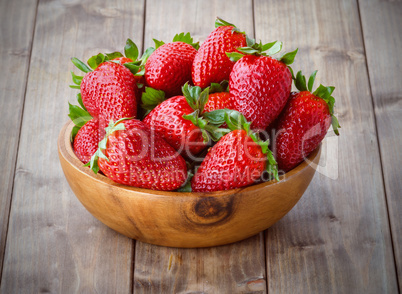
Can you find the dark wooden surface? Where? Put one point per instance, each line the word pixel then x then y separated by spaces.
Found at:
pixel 344 236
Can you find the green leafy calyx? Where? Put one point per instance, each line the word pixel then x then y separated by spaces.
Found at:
pixel 80 65
pixel 259 49
pixel 218 88
pixel 208 122
pixel 195 97
pixel 219 22
pixel 186 187
pixel 113 126
pixel 131 50
pixel 76 80
pixel 151 98
pixel 186 38
pixel 158 43
pixel 289 57
pixel 79 116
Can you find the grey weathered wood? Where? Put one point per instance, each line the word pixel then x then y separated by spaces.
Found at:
pixel 17 20
pixel 337 238
pixel 164 19
pixel 54 244
pixel 235 268
pixel 382 31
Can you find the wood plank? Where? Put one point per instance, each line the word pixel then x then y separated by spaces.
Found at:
pixel 235 268
pixel 54 244
pixel 383 45
pixel 337 238
pixel 164 20
pixel 17 20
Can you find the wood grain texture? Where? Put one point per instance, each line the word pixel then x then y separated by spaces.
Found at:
pixel 54 244
pixel 337 238
pixel 167 18
pixel 201 270
pixel 383 45
pixel 17 22
pixel 234 268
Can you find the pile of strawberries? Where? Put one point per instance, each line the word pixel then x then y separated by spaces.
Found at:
pixel 197 118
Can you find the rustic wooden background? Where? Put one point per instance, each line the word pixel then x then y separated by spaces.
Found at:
pixel 345 234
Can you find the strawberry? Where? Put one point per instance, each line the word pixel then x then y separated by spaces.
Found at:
pixel 85 134
pixel 237 160
pixel 181 122
pixel 211 65
pixel 304 122
pixel 131 154
pixel 139 79
pixel 219 100
pixel 108 92
pixel 169 66
pixel 219 97
pixel 259 84
pixel 86 141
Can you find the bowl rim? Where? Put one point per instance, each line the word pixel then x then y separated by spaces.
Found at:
pixel 65 150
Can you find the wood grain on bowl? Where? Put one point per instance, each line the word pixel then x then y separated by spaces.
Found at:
pixel 178 219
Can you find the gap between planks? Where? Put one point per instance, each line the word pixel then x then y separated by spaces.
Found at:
pixel 379 145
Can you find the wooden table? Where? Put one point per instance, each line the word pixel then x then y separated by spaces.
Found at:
pixel 345 234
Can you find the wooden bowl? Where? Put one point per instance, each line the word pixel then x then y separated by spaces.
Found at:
pixel 183 219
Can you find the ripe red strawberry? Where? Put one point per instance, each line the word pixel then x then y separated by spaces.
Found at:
pixel 211 65
pixel 131 155
pixel 139 79
pixel 86 141
pixel 219 98
pixel 169 66
pixel 180 121
pixel 108 92
pixel 237 160
pixel 304 122
pixel 259 84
